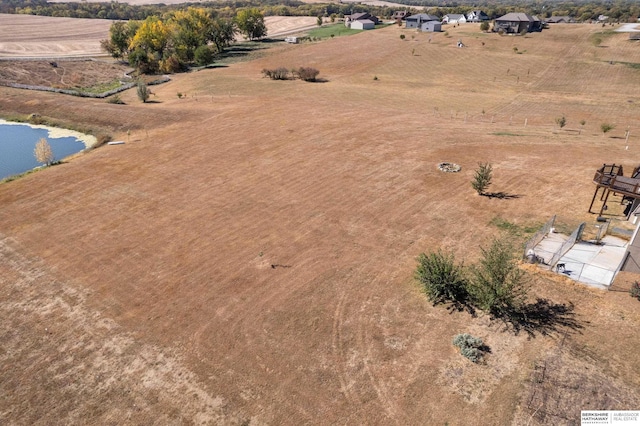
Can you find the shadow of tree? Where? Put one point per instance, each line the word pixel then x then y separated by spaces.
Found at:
pixel 542 317
pixel 501 195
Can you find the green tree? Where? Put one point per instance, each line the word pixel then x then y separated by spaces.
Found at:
pixel 221 33
pixel 482 178
pixel 204 55
pixel 43 152
pixel 120 36
pixel 497 285
pixel 319 21
pixel 251 24
pixel 143 91
pixel 442 279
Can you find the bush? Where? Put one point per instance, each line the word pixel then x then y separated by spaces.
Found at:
pixel 606 127
pixel 482 178
pixel 280 73
pixel 484 26
pixel 471 347
pixel 115 99
pixel 307 73
pixel 143 91
pixel 443 281
pixel 497 284
pixel 635 290
pixel 204 55
pixel 561 121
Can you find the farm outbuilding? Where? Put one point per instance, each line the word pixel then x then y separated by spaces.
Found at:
pixel 364 24
pixel 431 27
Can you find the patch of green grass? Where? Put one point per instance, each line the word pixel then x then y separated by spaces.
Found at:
pixel 634 65
pixel 337 30
pixel 507 134
pixel 100 88
pixel 514 229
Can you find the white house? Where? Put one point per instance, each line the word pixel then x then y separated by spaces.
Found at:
pixel 454 18
pixel 477 16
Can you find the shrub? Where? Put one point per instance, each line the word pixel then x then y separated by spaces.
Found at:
pixel 442 279
pixel 402 36
pixel 561 121
pixel 497 284
pixel 115 99
pixel 482 178
pixel 484 26
pixel 204 55
pixel 470 347
pixel 307 73
pixel 606 127
pixel 171 65
pixel 280 73
pixel 635 290
pixel 143 91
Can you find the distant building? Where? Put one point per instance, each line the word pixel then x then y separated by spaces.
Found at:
pixel 477 16
pixel 560 20
pixel 453 18
pixel 362 24
pixel 400 15
pixel 416 21
pixel 515 23
pixel 349 19
pixel 431 27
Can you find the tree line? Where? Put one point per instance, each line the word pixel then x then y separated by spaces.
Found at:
pixel 171 42
pixel 582 10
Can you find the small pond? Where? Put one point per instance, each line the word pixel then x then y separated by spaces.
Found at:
pixel 18 141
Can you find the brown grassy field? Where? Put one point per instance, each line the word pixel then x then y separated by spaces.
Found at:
pixel 247 256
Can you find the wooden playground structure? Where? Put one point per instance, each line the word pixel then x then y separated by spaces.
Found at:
pixel 611 180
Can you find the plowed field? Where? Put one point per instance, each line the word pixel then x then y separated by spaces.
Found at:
pixel 247 256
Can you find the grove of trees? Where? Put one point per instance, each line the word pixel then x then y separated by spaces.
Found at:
pixel 169 43
pixel 582 10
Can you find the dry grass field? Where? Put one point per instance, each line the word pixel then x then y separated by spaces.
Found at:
pixel 247 256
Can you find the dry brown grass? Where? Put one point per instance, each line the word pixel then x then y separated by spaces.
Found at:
pixel 248 256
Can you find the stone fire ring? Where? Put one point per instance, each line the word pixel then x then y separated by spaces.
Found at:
pixel 449 167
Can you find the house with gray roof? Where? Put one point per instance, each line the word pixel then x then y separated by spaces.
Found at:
pixel 516 23
pixel 366 18
pixel 416 21
pixel 477 16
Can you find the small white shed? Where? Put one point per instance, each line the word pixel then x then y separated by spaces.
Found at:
pixel 363 24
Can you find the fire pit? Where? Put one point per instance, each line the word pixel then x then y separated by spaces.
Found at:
pixel 449 167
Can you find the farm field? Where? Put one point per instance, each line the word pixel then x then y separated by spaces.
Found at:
pixel 28 36
pixel 247 256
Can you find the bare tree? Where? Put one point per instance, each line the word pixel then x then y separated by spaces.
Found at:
pixel 43 152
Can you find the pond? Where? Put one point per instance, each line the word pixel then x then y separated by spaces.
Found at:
pixel 18 141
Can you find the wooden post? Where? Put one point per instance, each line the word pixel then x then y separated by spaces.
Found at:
pixel 593 199
pixel 605 202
